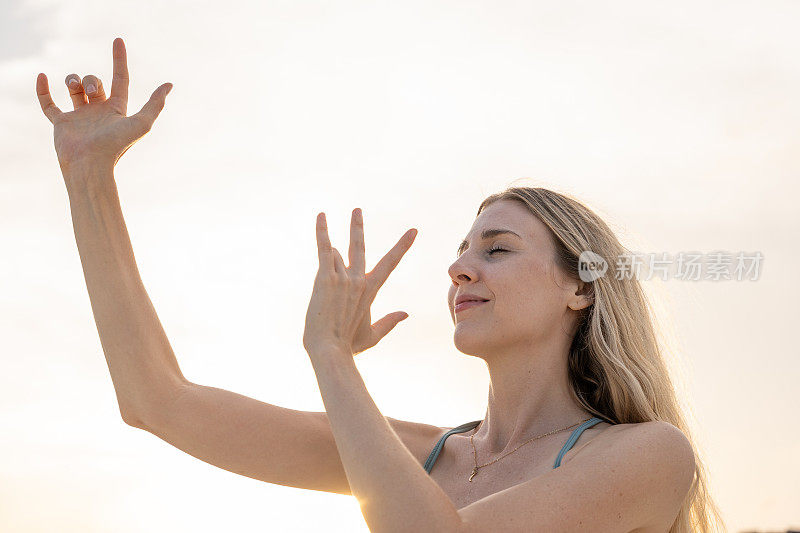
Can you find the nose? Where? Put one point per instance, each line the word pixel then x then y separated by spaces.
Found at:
pixel 460 271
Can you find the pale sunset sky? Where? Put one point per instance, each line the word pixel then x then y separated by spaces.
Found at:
pixel 677 122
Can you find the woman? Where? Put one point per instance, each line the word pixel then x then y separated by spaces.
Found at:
pixel 582 431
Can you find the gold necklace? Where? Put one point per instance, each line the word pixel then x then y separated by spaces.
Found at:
pixel 475 453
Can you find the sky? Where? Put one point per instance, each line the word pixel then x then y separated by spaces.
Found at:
pixel 677 122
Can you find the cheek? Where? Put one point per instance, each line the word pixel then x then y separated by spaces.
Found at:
pixel 528 292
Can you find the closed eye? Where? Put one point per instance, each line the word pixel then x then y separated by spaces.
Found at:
pixel 493 250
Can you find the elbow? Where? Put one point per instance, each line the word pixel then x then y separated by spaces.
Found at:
pixel 132 420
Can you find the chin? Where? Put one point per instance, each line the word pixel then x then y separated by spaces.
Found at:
pixel 469 342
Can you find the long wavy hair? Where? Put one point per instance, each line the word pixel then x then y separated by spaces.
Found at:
pixel 617 368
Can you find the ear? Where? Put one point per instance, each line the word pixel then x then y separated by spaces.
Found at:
pixel 583 296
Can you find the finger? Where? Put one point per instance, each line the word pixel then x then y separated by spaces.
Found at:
pixel 356 252
pixel 150 111
pixel 339 263
pixel 324 250
pixel 119 83
pixel 388 262
pixel 75 88
pixel 50 109
pixel 93 88
pixel 382 327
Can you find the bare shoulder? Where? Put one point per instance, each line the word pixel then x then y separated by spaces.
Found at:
pixel 670 444
pixel 629 477
pixel 654 454
pixel 659 435
pixel 656 438
pixel 667 434
pixel 418 437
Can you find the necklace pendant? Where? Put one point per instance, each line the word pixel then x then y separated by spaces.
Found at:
pixel 474 471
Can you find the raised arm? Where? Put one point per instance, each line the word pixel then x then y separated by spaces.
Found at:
pixel 89 141
pixel 223 428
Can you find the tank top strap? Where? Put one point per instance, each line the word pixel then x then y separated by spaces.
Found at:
pixel 574 437
pixel 439 445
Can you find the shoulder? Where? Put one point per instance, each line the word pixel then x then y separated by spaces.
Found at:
pixel 660 439
pixel 418 437
pixel 648 466
pixel 656 440
pixel 658 433
pixel 655 453
pixel 630 476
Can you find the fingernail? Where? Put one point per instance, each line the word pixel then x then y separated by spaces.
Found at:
pixel 72 82
pixel 90 89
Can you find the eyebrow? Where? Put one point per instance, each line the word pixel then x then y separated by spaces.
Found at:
pixel 487 234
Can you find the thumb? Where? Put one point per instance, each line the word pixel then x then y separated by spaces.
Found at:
pixel 150 110
pixel 386 324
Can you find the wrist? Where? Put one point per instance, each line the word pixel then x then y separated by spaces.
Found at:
pixel 83 173
pixel 329 353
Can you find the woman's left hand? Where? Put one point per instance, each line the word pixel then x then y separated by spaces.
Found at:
pixel 338 316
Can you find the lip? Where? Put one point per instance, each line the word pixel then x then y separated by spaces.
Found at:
pixel 466 297
pixel 468 305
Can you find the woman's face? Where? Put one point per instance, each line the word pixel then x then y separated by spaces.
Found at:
pixel 527 295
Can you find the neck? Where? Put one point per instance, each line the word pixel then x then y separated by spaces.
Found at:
pixel 529 395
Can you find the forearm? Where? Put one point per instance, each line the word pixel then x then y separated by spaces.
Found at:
pixel 143 367
pixel 393 490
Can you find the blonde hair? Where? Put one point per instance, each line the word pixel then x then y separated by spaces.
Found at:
pixel 616 367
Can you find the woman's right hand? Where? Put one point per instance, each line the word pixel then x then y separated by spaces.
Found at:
pixel 97 131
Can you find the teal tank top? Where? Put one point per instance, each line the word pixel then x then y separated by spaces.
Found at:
pixel 576 433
